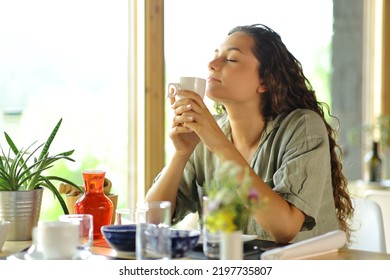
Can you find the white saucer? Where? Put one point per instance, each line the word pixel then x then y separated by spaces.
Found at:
pixel 244 238
pixel 35 255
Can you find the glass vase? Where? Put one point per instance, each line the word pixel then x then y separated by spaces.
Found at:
pixel 95 202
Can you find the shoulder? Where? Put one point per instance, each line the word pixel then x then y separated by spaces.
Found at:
pixel 304 121
pixel 298 128
pixel 304 116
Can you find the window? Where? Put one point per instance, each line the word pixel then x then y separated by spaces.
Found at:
pixel 68 59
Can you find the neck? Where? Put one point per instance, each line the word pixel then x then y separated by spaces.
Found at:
pixel 247 128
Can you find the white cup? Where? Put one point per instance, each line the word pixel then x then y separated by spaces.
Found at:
pixel 194 84
pixel 86 228
pixel 59 240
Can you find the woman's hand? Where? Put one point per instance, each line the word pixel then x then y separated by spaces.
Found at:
pixel 193 122
pixel 183 138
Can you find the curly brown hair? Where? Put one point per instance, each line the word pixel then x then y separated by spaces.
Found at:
pixel 288 89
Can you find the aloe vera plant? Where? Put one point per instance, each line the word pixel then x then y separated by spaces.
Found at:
pixel 21 170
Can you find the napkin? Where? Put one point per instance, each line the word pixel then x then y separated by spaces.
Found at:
pixel 314 246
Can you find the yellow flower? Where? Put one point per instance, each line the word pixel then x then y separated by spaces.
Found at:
pixel 222 220
pixel 230 200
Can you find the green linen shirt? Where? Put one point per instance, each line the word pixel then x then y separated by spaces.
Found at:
pixel 292 158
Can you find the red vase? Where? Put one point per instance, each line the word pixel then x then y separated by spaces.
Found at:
pixel 95 202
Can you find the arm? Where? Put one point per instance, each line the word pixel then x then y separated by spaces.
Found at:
pixel 279 218
pixel 166 187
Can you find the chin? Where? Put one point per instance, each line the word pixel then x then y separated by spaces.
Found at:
pixel 213 94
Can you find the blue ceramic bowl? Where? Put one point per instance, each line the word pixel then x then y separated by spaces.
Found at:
pixel 120 237
pixel 183 242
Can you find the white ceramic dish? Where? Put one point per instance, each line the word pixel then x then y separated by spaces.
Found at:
pixel 80 255
pixel 4 227
pixel 244 238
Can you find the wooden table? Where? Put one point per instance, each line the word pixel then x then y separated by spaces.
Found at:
pixel 12 247
pixel 341 254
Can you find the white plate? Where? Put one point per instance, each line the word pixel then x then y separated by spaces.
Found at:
pixel 244 238
pixel 80 255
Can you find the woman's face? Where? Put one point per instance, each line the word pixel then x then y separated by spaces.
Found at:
pixel 234 74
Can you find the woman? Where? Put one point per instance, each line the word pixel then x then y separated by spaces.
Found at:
pixel 271 123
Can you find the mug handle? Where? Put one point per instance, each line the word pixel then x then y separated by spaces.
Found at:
pixel 176 87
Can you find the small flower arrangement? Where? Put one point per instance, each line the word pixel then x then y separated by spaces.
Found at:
pixel 229 199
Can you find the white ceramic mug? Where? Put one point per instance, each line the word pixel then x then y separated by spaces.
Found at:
pixel 59 239
pixel 194 84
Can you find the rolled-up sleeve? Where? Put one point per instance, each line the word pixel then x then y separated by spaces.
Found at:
pixel 304 170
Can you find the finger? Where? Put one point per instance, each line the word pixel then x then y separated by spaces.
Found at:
pixel 181 130
pixel 181 119
pixel 181 109
pixel 192 95
pixel 190 126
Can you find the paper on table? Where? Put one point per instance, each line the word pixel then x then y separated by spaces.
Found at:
pixel 317 245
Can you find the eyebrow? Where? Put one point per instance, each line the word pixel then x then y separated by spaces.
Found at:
pixel 229 49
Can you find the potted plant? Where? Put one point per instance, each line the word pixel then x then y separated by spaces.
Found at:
pixel 22 179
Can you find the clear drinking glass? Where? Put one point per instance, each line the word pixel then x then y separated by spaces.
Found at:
pixel 126 216
pixel 211 240
pixel 86 228
pixel 153 241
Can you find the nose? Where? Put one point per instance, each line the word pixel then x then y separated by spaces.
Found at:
pixel 214 65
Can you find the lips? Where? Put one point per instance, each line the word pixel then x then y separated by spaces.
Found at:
pixel 213 80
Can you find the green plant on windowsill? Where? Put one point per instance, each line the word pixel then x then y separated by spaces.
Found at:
pixel 380 130
pixel 20 170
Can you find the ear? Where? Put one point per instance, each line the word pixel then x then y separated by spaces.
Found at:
pixel 261 88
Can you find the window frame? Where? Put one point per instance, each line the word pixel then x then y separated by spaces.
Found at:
pixel 146 96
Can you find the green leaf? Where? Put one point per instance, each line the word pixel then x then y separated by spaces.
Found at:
pixel 57 194
pixel 80 189
pixel 48 142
